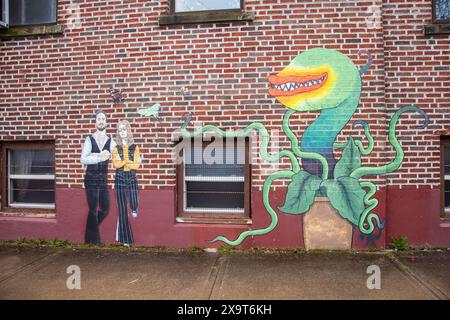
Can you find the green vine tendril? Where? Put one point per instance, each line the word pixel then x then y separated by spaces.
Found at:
pixel 371 203
pixel 395 164
pixel 358 143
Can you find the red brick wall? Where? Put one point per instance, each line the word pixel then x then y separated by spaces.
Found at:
pixel 418 73
pixel 51 85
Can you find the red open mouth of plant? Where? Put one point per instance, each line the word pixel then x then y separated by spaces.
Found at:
pixel 292 85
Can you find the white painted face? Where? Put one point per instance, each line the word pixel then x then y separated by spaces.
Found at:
pixel 100 122
pixel 123 133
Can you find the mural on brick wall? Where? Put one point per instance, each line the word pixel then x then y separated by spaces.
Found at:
pixel 97 150
pixel 153 111
pixel 329 192
pixel 126 160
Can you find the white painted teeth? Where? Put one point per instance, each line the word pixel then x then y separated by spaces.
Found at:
pixel 289 86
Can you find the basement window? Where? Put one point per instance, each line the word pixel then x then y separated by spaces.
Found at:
pixel 29 175
pixel 213 179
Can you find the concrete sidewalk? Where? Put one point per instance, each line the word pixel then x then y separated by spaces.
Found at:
pixel 40 273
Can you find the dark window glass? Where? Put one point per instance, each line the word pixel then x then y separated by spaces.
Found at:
pixel 32 191
pixel 212 161
pixel 29 12
pixel 442 10
pixel 447 161
pixel 4 14
pixel 229 195
pixel 447 199
pixel 32 162
pixel 205 5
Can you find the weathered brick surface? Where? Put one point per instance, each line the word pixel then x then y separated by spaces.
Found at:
pixel 51 85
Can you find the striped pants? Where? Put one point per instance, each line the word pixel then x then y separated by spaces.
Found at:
pixel 126 191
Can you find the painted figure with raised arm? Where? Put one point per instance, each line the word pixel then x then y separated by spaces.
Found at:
pixel 126 160
pixel 97 150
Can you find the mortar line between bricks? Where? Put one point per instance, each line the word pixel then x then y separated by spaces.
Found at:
pixel 28 266
pixel 436 293
pixel 222 263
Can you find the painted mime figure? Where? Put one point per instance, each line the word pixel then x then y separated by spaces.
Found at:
pixel 126 160
pixel 97 150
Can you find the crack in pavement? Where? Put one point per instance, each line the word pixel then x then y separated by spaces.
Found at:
pixel 218 271
pixel 430 289
pixel 29 265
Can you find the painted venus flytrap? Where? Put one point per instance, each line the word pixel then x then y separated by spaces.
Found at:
pixel 328 82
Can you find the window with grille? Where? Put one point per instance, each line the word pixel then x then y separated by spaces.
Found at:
pixel 29 175
pixel 213 179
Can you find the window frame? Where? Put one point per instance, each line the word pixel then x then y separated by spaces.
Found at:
pixel 206 16
pixel 173 12
pixel 434 14
pixel 445 142
pixel 193 216
pixel 5 175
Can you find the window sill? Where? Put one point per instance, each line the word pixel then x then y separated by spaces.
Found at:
pixel 204 17
pixel 437 28
pixel 445 223
pixel 28 214
pixel 31 31
pixel 202 220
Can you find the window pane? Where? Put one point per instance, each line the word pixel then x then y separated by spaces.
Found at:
pixel 220 161
pixel 32 161
pixel 32 191
pixel 4 14
pixel 222 195
pixel 447 199
pixel 442 8
pixel 28 12
pixel 204 5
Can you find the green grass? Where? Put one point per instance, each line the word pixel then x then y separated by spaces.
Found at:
pixel 400 243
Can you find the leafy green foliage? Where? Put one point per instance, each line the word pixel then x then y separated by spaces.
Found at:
pixel 347 197
pixel 350 160
pixel 400 243
pixel 301 193
pixel 58 243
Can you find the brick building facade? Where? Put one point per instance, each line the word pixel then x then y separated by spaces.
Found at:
pixel 52 83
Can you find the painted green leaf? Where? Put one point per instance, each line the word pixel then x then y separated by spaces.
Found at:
pixel 350 160
pixel 347 197
pixel 301 193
